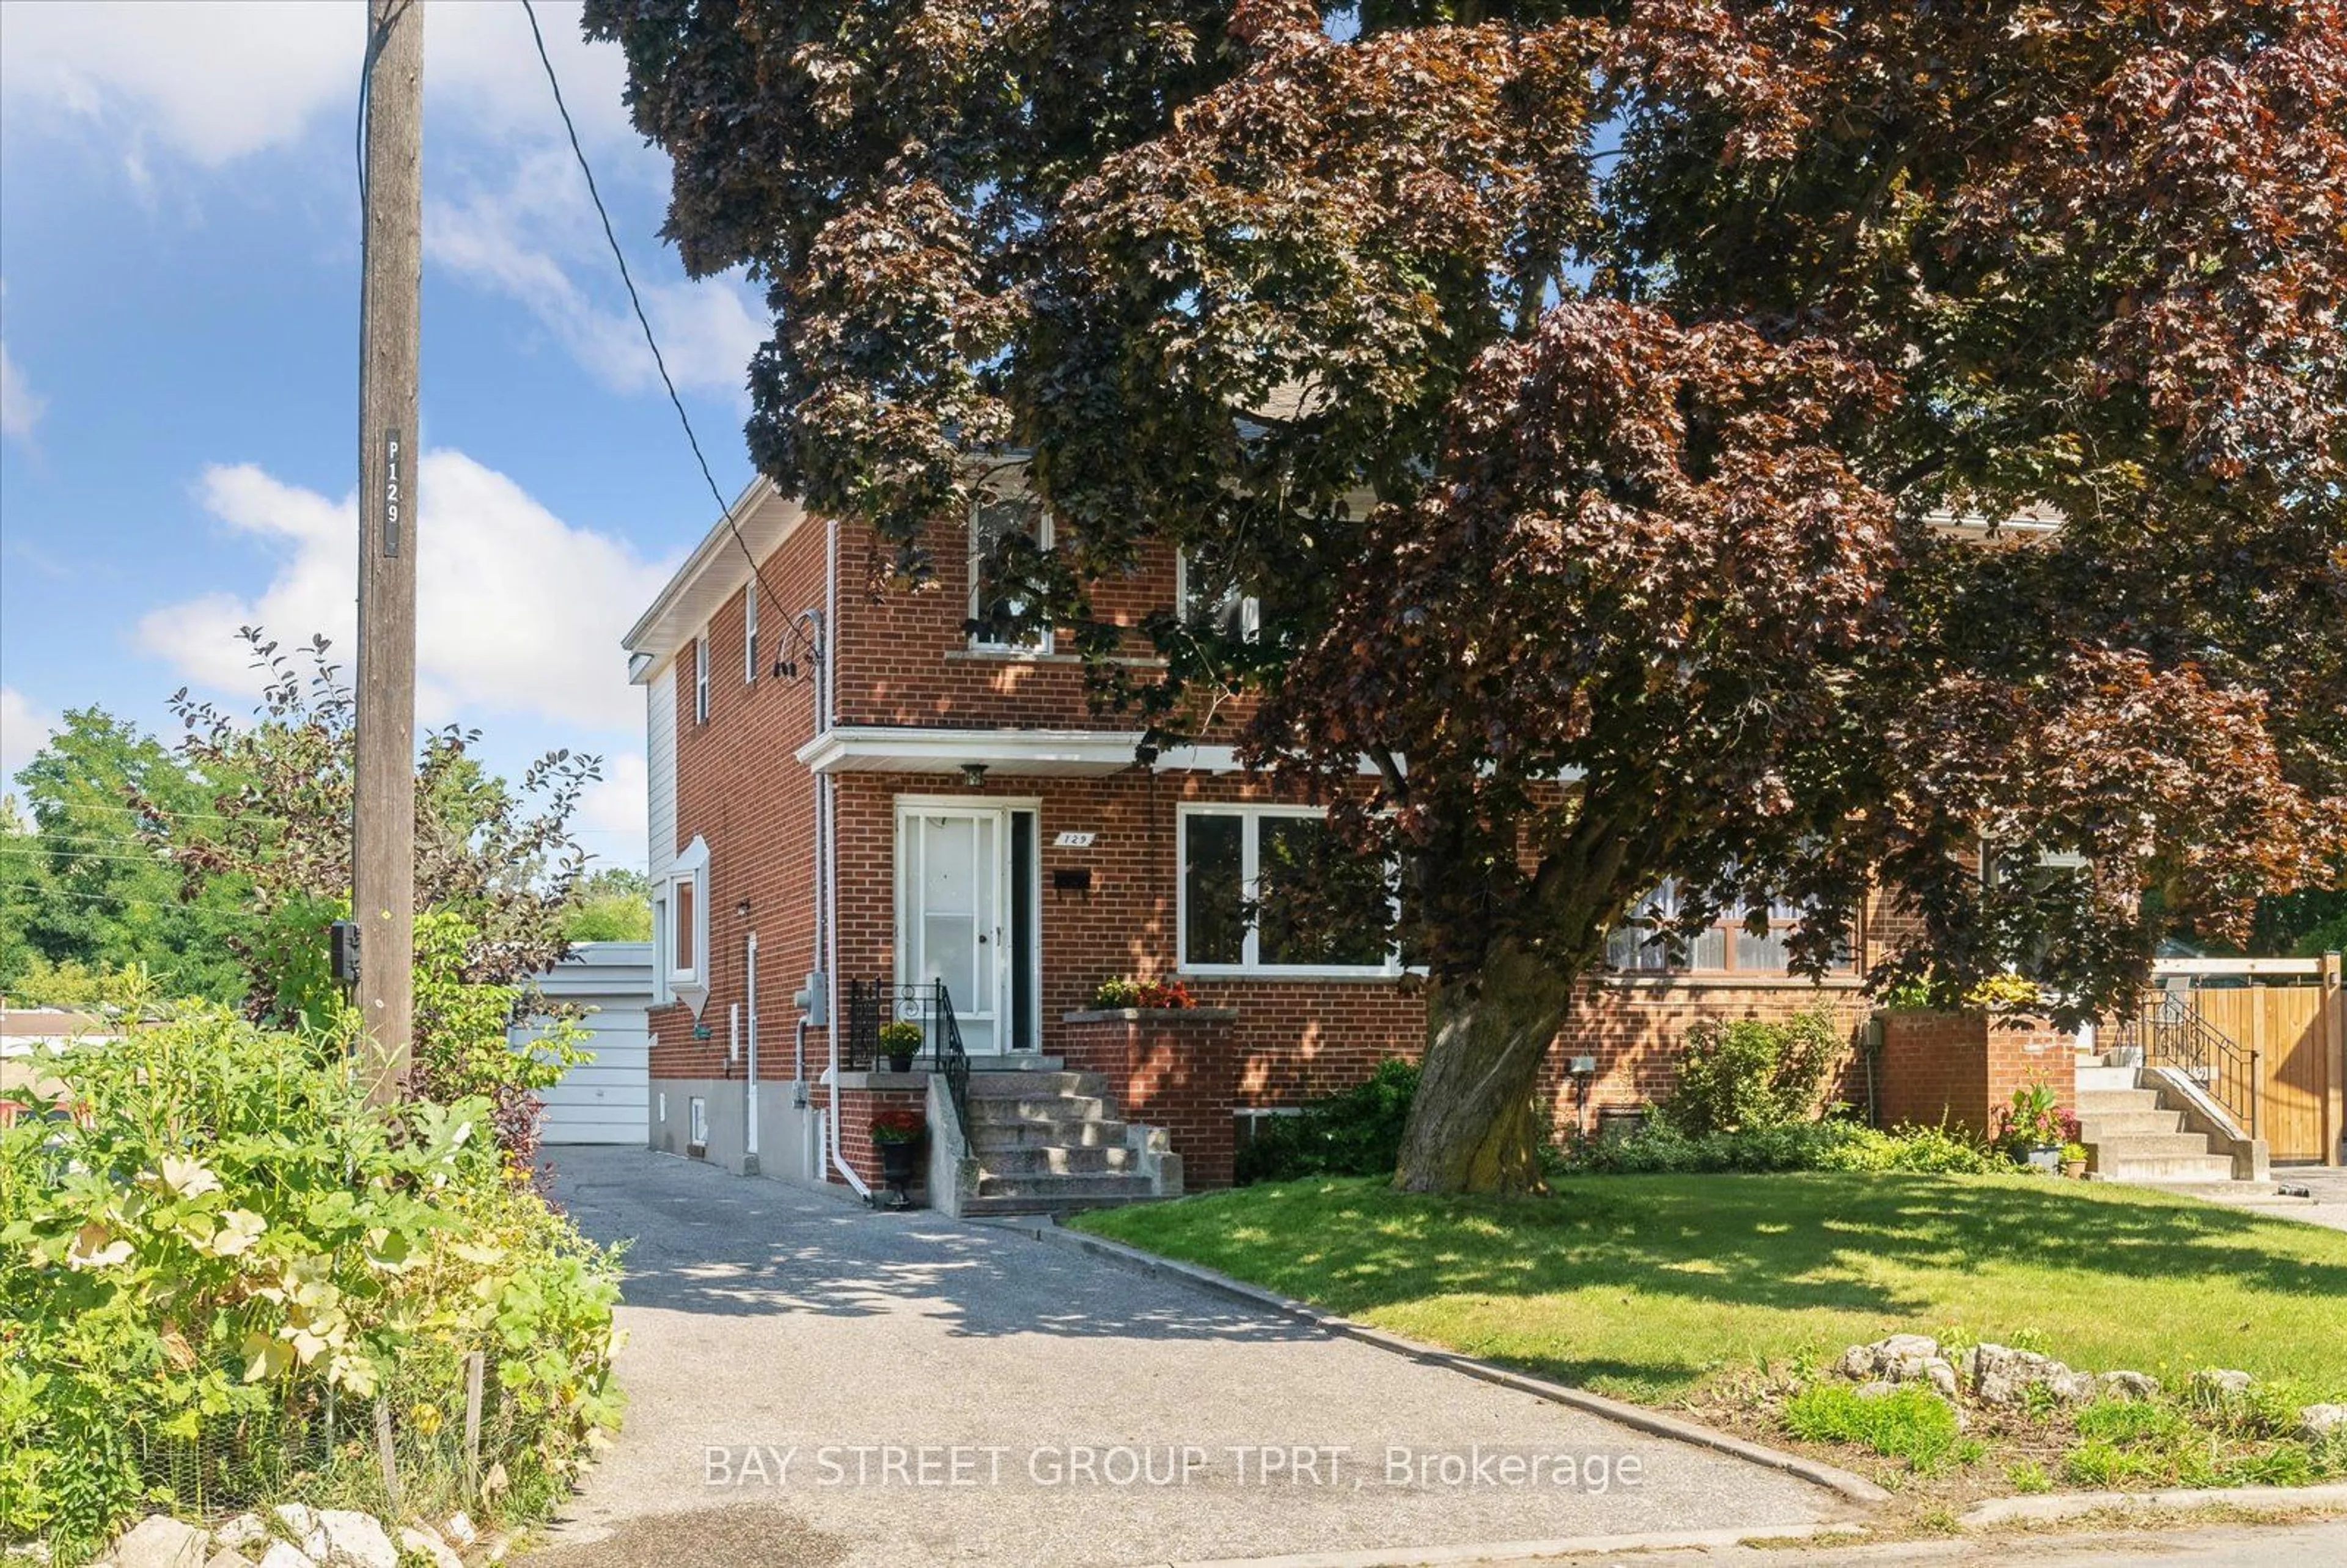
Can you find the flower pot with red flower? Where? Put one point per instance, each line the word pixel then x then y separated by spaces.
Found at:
pixel 898 1135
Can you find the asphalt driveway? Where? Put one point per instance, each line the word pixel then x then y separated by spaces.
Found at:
pixel 810 1382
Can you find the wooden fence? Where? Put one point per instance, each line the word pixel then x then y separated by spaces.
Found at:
pixel 2290 1014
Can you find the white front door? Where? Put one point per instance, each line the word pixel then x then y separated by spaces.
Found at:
pixel 951 915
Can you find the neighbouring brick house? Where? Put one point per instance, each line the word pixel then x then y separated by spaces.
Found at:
pixel 833 831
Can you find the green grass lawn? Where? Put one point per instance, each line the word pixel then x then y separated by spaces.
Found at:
pixel 1646 1287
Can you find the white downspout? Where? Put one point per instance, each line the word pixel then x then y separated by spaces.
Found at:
pixel 750 1086
pixel 827 868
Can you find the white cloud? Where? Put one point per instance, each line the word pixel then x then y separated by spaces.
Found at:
pixel 19 408
pixel 25 729
pixel 217 81
pixel 209 84
pixel 532 238
pixel 610 820
pixel 518 613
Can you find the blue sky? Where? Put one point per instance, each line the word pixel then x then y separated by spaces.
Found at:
pixel 178 378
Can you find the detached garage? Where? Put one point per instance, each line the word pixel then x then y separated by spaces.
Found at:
pixel 605 1100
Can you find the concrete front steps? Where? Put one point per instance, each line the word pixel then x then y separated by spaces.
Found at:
pixel 2133 1134
pixel 1049 1143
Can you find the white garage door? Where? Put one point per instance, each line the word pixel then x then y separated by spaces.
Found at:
pixel 605 1100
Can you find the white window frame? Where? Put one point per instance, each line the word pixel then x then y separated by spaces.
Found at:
pixel 1250 609
pixel 1250 841
pixel 661 994
pixel 701 678
pixel 1729 922
pixel 1039 643
pixel 689 869
pixel 750 634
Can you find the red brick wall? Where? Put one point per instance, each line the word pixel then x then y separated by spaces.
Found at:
pixel 1169 1070
pixel 1963 1067
pixel 905 658
pixel 901 659
pixel 738 787
pixel 857 1109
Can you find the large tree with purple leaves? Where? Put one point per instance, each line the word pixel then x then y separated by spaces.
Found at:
pixel 1586 392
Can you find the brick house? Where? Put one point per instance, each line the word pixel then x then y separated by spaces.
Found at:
pixel 852 799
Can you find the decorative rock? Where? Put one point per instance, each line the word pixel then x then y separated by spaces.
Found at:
pixel 1900 1358
pixel 356 1540
pixel 2316 1423
pixel 302 1524
pixel 244 1530
pixel 229 1557
pixel 426 1542
pixel 159 1541
pixel 2221 1382
pixel 2003 1375
pixel 285 1554
pixel 457 1530
pixel 2131 1386
pixel 1876 1390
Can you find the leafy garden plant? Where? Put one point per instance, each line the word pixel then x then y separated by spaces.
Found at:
pixel 1745 1074
pixel 218 1270
pixel 1126 992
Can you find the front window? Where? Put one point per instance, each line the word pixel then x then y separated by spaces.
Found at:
pixel 1215 600
pixel 992 603
pixel 1643 946
pixel 1270 889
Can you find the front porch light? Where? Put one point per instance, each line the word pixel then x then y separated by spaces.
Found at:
pixel 973 775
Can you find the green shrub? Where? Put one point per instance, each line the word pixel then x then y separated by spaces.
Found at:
pixel 1746 1074
pixel 1355 1132
pixel 1909 1423
pixel 214 1273
pixel 1659 1147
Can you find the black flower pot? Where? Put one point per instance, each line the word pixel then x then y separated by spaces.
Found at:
pixel 901 1063
pixel 899 1163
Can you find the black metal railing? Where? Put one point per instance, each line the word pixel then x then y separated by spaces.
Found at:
pixel 2172 1032
pixel 872 1003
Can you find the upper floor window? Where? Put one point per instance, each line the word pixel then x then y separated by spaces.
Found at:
pixel 1265 888
pixel 701 678
pixel 1724 947
pixel 750 633
pixel 1220 604
pixel 991 601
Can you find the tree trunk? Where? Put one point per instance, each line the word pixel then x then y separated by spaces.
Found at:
pixel 1474 1126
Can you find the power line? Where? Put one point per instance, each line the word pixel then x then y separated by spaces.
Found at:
pixel 757 575
pixel 205 909
pixel 160 812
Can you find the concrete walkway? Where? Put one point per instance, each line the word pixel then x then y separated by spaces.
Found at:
pixel 2327 1206
pixel 813 1383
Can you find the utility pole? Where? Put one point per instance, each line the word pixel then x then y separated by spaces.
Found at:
pixel 382 826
